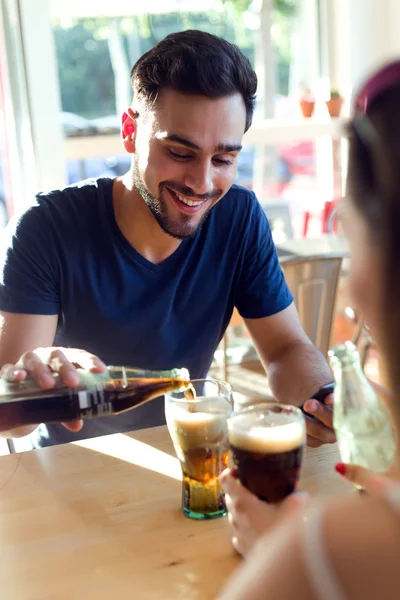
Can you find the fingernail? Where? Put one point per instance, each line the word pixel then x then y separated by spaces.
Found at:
pixel 97 363
pixel 312 406
pixel 71 377
pixel 45 379
pixel 16 372
pixel 341 468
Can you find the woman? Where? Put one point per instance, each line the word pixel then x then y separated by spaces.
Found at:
pixel 348 549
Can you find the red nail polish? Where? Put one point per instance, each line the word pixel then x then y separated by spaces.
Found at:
pixel 341 468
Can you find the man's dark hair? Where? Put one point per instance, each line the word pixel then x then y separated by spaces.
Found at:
pixel 195 62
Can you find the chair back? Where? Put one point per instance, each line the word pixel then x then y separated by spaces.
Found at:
pixel 313 282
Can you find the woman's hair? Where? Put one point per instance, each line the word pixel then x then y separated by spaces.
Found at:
pixel 373 184
pixel 195 62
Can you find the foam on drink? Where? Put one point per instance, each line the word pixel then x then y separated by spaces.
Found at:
pixel 267 449
pixel 271 434
pixel 193 429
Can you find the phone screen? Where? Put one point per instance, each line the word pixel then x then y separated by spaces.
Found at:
pixel 324 391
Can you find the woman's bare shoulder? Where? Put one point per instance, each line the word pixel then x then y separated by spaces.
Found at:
pixel 362 539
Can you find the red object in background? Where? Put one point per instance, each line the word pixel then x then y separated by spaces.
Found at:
pixel 329 207
pixel 299 156
pixel 306 221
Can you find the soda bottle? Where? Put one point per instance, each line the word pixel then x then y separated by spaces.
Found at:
pixel 112 392
pixel 360 419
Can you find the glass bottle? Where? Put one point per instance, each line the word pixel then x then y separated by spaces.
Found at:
pixel 112 392
pixel 361 420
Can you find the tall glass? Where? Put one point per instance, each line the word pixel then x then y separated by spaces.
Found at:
pixel 267 442
pixel 199 431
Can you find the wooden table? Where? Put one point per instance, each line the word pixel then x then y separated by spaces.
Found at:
pixel 96 521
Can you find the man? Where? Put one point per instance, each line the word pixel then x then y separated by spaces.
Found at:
pixel 146 269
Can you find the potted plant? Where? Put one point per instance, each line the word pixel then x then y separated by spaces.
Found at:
pixel 307 104
pixel 335 103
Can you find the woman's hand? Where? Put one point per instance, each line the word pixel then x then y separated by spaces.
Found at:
pixel 375 484
pixel 250 517
pixel 41 364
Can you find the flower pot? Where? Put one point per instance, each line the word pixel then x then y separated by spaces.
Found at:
pixel 307 108
pixel 334 106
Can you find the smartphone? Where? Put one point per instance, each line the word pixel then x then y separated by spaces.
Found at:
pixel 322 393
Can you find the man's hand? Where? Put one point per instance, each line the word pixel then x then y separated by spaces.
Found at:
pixel 41 364
pixel 319 417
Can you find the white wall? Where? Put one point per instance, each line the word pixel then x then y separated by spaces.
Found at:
pixel 363 35
pixel 43 93
pixel 394 26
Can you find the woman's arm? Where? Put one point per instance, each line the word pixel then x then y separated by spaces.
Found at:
pixel 361 536
pixel 274 569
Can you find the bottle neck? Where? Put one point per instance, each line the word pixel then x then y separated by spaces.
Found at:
pixel 351 370
pixel 353 390
pixel 138 391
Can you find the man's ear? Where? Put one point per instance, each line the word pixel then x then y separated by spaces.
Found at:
pixel 128 130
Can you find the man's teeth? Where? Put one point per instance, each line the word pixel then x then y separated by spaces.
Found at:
pixel 187 201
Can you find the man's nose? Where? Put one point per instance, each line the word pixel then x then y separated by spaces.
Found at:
pixel 199 177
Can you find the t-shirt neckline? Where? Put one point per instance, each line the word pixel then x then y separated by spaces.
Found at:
pixel 128 248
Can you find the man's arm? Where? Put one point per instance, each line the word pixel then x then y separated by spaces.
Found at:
pixel 24 333
pixel 296 369
pixel 26 349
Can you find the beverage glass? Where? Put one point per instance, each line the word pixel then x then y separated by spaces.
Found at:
pixel 199 431
pixel 266 442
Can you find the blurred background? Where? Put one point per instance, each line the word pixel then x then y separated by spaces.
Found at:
pixel 64 82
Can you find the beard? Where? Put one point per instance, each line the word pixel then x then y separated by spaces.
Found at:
pixel 181 228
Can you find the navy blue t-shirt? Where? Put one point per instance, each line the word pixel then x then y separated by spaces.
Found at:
pixel 67 256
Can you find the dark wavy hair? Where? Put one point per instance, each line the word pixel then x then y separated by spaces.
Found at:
pixel 373 185
pixel 195 62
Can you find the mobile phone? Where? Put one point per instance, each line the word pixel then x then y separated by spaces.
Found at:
pixel 324 391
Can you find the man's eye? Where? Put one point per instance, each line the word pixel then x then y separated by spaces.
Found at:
pixel 220 161
pixel 179 156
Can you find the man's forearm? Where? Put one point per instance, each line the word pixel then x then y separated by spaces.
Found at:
pixel 297 373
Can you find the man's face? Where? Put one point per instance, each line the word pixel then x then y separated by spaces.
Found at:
pixel 185 157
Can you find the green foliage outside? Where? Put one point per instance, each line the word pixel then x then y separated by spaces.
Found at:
pixel 84 65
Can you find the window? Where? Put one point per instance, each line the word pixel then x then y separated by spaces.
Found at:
pixel 97 44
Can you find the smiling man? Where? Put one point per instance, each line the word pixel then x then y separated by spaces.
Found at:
pixel 146 269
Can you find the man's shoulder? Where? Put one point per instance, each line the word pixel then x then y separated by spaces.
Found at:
pixel 67 211
pixel 239 205
pixel 239 191
pixel 79 194
pixel 239 200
